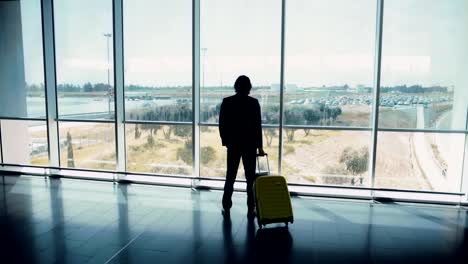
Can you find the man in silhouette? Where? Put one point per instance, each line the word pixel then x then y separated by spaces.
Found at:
pixel 240 128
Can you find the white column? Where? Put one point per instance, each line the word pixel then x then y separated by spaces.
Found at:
pixel 15 143
pixel 12 76
pixel 12 85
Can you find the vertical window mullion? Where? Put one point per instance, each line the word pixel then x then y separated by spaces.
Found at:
pixel 50 78
pixel 196 87
pixel 464 173
pixel 119 85
pixel 1 145
pixel 280 140
pixel 376 95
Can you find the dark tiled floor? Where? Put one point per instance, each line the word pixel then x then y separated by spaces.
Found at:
pixel 71 221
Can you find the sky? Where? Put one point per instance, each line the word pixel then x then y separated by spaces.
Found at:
pixel 327 42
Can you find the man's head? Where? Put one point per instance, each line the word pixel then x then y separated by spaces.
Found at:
pixel 242 85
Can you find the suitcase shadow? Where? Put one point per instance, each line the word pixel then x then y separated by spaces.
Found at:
pixel 273 244
pixel 268 244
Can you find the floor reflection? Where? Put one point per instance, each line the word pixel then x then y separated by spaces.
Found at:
pixel 59 242
pixel 71 221
pixel 229 248
pixel 16 225
pixel 123 221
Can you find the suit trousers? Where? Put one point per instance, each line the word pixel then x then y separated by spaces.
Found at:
pixel 234 155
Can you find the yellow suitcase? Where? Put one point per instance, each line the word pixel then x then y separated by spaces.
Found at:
pixel 273 201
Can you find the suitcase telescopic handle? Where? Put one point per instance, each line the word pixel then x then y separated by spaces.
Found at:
pixel 268 163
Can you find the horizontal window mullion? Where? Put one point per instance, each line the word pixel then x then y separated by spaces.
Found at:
pixel 24 118
pixel 158 122
pixel 415 130
pixel 216 124
pixel 349 128
pixel 107 121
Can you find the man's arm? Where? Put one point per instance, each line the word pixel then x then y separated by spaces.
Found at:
pixel 222 123
pixel 258 126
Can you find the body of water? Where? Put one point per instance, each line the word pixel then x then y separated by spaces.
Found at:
pixel 75 106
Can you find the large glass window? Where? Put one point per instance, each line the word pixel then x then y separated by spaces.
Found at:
pixel 424 80
pixel 241 37
pixel 160 149
pixel 87 145
pixel 419 161
pixel 329 71
pixel 83 35
pixel 22 91
pixel 329 62
pixel 326 156
pixel 158 60
pixel 24 142
pixel 329 59
pixel 213 154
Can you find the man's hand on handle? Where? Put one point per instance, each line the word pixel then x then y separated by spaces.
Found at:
pixel 261 152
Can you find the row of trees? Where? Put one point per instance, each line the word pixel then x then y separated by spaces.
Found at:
pixel 87 87
pixel 90 87
pixel 315 115
pixel 183 153
pixel 183 131
pixel 319 115
pixel 177 112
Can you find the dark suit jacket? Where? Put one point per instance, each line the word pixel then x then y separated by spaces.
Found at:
pixel 240 122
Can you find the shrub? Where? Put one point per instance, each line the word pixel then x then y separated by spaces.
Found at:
pixel 183 131
pixel 288 149
pixel 207 154
pixel 355 161
pixel 150 141
pixel 185 153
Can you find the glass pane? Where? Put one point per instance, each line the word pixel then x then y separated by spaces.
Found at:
pixel 424 80
pixel 83 35
pixel 159 149
pixel 420 161
pixel 232 45
pixel 24 142
pixel 326 156
pixel 158 59
pixel 213 154
pixel 87 145
pixel 21 64
pixel 329 62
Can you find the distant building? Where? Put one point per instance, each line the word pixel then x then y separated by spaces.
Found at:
pixel 363 89
pixel 287 87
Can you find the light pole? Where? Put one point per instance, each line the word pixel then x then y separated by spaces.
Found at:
pixel 109 92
